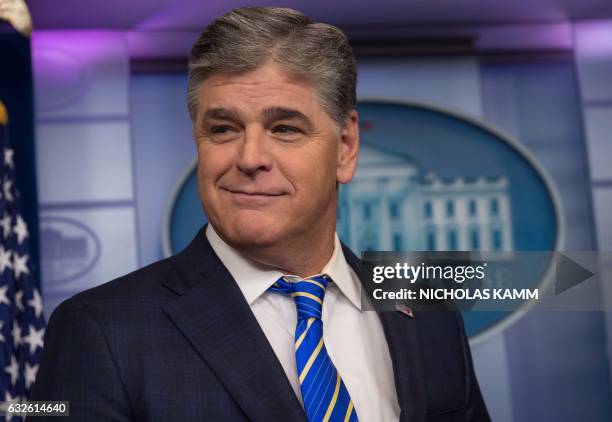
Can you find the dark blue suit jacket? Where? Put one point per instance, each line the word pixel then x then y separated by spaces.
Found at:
pixel 177 341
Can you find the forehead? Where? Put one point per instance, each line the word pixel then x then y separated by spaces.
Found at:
pixel 266 86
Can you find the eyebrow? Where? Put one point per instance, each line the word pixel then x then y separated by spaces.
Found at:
pixel 271 114
pixel 221 114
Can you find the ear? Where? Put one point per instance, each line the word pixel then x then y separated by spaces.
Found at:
pixel 348 151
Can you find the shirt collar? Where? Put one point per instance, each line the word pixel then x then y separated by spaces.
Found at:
pixel 254 278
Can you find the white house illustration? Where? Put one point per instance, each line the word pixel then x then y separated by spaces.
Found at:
pixel 391 205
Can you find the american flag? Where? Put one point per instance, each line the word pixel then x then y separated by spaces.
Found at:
pixel 21 312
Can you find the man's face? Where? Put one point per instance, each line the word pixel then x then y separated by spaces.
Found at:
pixel 269 157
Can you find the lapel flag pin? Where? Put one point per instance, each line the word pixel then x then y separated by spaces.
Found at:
pixel 400 307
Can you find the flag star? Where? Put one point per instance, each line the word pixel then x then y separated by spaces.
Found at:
pixel 13 370
pixel 3 298
pixel 20 229
pixel 8 157
pixel 8 195
pixel 10 399
pixel 16 335
pixel 5 223
pixel 36 303
pixel 19 300
pixel 1 335
pixel 34 338
pixel 5 259
pixel 30 374
pixel 20 266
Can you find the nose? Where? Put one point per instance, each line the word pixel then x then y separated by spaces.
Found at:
pixel 254 155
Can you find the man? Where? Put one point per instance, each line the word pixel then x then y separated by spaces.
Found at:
pixel 231 328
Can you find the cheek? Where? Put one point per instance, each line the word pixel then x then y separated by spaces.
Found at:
pixel 213 161
pixel 317 167
pixel 315 183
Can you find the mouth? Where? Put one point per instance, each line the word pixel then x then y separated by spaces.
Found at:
pixel 254 193
pixel 249 198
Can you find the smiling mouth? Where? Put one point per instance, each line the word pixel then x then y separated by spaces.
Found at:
pixel 253 199
pixel 254 193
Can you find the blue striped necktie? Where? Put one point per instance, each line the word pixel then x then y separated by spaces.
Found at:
pixel 323 391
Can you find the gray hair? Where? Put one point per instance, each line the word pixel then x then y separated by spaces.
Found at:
pixel 249 37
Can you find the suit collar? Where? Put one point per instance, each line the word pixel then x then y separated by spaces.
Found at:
pixel 192 265
pixel 402 339
pixel 213 315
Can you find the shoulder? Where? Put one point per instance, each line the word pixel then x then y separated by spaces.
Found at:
pixel 142 285
pixel 137 299
pixel 132 299
pixel 152 285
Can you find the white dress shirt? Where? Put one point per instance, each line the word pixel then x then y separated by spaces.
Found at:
pixel 354 339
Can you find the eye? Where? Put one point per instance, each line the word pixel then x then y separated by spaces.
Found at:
pixel 285 130
pixel 222 133
pixel 220 130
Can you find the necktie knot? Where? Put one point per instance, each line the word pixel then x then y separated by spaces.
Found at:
pixel 307 293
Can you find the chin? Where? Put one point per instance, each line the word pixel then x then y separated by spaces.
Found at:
pixel 251 232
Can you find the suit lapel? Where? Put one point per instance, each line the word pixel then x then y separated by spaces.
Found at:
pixel 216 319
pixel 402 339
